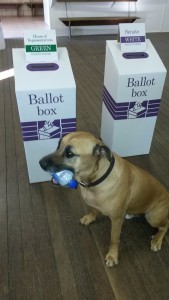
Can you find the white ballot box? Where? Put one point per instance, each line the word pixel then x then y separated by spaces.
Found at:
pixel 46 98
pixel 133 86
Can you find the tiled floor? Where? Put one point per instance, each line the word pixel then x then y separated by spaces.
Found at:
pixel 14 27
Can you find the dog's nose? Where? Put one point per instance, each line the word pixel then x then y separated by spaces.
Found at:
pixel 43 163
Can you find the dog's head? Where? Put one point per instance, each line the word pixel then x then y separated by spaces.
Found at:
pixel 79 152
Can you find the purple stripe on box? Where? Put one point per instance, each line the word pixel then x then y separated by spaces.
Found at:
pixel 26 139
pixel 71 129
pixel 132 39
pixel 26 129
pixel 68 120
pixel 109 97
pixel 153 106
pixel 114 116
pixel 156 101
pixel 64 132
pixel 28 124
pixel 68 125
pixel 122 110
pixel 130 110
pixel 151 114
pixel 40 130
pixel 155 110
pixel 25 134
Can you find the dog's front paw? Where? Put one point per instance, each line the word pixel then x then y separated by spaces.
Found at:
pixel 88 219
pixel 156 244
pixel 111 259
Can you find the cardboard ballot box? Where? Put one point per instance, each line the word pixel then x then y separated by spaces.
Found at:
pixel 133 86
pixel 47 108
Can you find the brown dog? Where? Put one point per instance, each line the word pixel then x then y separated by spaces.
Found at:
pixel 112 186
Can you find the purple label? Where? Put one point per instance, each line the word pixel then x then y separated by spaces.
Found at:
pixel 42 130
pixel 132 39
pixel 130 110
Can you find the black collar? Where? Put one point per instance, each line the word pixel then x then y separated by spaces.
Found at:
pixel 94 183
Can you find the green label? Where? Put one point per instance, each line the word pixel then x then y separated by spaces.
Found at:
pixel 40 48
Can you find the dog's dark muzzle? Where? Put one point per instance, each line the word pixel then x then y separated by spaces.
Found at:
pixel 44 164
pixel 49 164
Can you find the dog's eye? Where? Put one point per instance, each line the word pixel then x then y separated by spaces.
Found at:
pixel 69 153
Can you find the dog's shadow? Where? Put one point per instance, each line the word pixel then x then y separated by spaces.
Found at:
pixel 135 235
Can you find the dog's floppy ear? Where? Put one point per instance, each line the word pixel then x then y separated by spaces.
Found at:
pixel 59 144
pixel 102 151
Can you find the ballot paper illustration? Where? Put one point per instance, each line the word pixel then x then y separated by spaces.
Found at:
pixel 138 110
pixel 48 130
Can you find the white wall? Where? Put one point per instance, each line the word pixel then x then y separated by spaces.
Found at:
pixel 165 22
pixel 46 9
pixel 153 12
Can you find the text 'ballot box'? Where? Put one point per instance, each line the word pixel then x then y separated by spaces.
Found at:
pixel 133 85
pixel 47 107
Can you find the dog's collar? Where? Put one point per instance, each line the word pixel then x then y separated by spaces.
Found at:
pixel 102 178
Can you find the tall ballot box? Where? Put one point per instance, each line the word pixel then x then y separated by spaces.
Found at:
pixel 133 86
pixel 47 107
